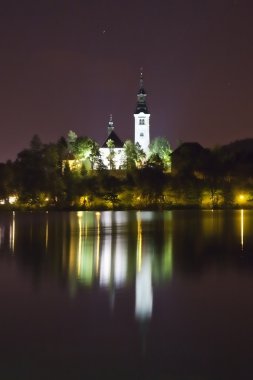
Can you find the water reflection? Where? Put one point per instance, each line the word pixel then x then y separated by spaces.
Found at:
pixel 143 290
pixel 92 247
pixel 113 249
pixel 183 269
pixel 143 284
pixel 103 249
pixel 12 233
pixel 242 227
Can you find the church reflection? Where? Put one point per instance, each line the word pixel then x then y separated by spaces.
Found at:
pixel 102 249
pixel 110 250
pixel 143 282
pixel 106 249
pixel 113 249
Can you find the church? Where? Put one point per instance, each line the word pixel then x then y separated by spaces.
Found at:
pixel 141 133
pixel 112 152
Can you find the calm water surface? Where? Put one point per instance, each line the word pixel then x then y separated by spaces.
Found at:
pixel 126 295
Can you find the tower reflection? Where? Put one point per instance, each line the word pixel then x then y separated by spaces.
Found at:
pixel 143 283
pixel 104 249
pixel 102 243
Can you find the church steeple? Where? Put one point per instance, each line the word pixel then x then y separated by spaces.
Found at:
pixel 141 116
pixel 141 97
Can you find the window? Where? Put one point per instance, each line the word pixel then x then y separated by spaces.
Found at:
pixel 141 134
pixel 141 122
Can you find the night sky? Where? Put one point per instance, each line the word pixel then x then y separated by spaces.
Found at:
pixel 69 64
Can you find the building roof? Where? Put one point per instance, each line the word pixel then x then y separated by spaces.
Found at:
pixel 117 142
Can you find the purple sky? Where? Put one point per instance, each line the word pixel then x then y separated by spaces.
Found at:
pixel 68 64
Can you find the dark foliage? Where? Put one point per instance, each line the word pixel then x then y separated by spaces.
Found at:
pixel 41 179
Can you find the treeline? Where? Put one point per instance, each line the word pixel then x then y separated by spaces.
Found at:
pixel 69 175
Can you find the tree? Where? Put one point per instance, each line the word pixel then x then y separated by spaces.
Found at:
pixel 111 156
pixel 155 161
pixel 110 188
pixel 62 148
pixel 72 181
pixel 52 165
pixel 36 144
pixel 189 158
pixel 236 158
pixel 30 174
pixel 150 183
pixel 140 155
pixel 100 166
pixel 6 180
pixel 81 148
pixel 161 147
pixel 134 155
pixel 94 154
pixel 130 155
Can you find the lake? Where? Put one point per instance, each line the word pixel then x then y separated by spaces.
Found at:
pixel 126 295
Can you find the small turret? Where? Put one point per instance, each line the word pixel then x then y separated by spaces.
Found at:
pixel 111 135
pixel 110 125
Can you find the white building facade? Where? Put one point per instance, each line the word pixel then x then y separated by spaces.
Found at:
pixel 115 154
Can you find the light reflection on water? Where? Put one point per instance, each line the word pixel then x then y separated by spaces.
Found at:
pixel 113 247
pixel 100 247
pixel 168 271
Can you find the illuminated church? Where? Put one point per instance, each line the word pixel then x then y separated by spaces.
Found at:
pixel 141 132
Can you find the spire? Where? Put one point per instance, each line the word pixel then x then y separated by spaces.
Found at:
pixel 141 78
pixel 110 125
pixel 141 96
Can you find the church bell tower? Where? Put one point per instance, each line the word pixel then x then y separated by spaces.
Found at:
pixel 141 117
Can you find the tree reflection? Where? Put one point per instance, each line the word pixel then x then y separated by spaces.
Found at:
pixel 88 248
pixel 108 248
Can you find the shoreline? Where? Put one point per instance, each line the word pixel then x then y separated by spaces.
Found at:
pixel 100 209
